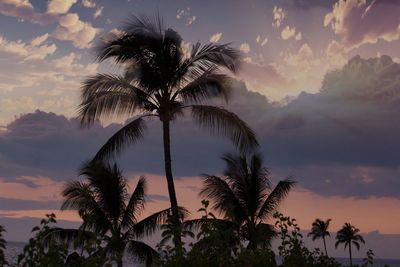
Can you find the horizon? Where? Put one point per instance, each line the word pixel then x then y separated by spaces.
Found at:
pixel 319 84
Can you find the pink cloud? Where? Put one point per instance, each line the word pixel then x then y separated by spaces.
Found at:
pixel 358 23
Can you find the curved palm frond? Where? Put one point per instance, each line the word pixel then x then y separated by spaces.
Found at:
pixel 135 205
pixel 226 202
pixel 223 122
pixel 127 135
pixel 68 236
pixel 149 224
pixel 206 56
pixel 108 94
pixel 79 196
pixel 275 198
pixel 209 85
pixel 143 251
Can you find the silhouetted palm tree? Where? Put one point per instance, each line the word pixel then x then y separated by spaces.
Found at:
pixel 110 213
pixel 2 246
pixel 348 235
pixel 245 197
pixel 320 230
pixel 161 79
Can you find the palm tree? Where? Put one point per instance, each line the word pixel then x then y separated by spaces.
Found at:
pixel 349 235
pixel 245 197
pixel 320 230
pixel 2 246
pixel 162 79
pixel 109 212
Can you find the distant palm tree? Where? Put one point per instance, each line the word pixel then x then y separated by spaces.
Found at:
pixel 162 79
pixel 2 246
pixel 245 197
pixel 110 213
pixel 348 235
pixel 320 230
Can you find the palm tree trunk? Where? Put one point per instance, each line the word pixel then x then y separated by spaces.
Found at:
pixel 171 187
pixel 351 259
pixel 326 252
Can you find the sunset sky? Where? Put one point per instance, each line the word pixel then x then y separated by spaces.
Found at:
pixel 319 84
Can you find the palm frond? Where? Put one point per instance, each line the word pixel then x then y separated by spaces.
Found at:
pixel 136 204
pixel 107 95
pixel 206 86
pixel 68 236
pixel 225 200
pixel 127 135
pixel 149 225
pixel 79 196
pixel 223 122
pixel 143 252
pixel 206 56
pixel 275 197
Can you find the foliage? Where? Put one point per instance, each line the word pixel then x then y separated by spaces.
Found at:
pixel 292 248
pixel 110 215
pixel 37 253
pixel 245 198
pixel 3 244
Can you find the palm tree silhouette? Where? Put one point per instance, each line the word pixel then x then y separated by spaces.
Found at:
pixel 109 212
pixel 161 79
pixel 320 230
pixel 348 235
pixel 245 197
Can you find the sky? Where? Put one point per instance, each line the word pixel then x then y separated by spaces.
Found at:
pixel 319 84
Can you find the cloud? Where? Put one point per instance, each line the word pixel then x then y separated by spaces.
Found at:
pixel 215 37
pixel 245 48
pixel 60 6
pixel 360 22
pixel 331 137
pixel 71 28
pixel 34 50
pixel 98 12
pixel 36 77
pixel 185 13
pixel 23 9
pixel 289 32
pixel 263 41
pixel 278 15
pixel 89 3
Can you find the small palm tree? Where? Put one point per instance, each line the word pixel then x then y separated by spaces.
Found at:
pixel 320 230
pixel 110 213
pixel 3 244
pixel 245 197
pixel 161 79
pixel 348 235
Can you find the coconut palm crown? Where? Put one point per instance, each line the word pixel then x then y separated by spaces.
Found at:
pixel 162 79
pixel 348 235
pixel 109 213
pixel 319 229
pixel 245 197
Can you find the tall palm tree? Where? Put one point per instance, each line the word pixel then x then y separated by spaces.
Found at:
pixel 320 230
pixel 162 79
pixel 348 235
pixel 109 212
pixel 245 197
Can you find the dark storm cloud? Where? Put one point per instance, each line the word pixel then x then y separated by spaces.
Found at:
pixel 346 136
